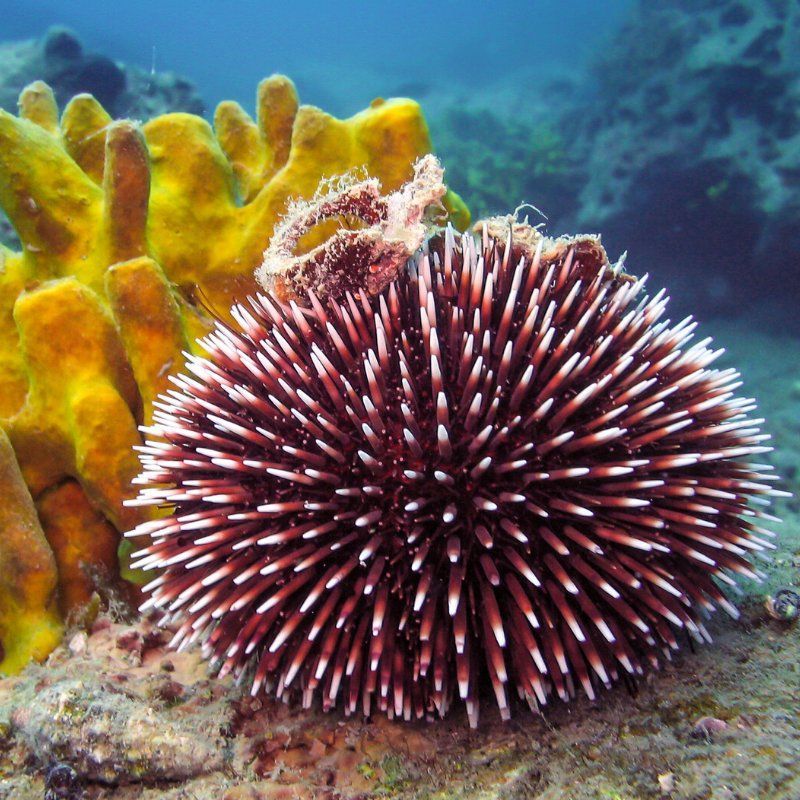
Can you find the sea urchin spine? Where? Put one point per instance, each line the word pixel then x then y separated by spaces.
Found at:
pixel 504 469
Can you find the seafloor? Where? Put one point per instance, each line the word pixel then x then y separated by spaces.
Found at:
pixel 137 721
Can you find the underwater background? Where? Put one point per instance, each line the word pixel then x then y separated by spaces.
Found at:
pixel 672 129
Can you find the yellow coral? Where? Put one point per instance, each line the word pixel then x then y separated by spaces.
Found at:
pixel 128 232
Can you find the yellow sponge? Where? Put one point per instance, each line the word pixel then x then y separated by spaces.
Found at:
pixel 130 233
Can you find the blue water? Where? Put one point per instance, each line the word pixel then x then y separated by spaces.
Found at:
pixel 365 49
pixel 713 202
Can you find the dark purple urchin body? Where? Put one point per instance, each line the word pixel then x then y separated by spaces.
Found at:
pixel 503 469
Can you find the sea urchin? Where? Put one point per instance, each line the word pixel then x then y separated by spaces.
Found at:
pixel 502 469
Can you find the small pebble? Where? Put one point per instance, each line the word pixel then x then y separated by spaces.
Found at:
pixel 77 644
pixel 784 606
pixel 666 782
pixel 317 749
pixel 170 691
pixel 61 783
pixel 708 727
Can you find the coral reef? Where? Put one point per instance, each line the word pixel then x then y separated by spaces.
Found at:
pixel 127 233
pixel 680 142
pixel 691 148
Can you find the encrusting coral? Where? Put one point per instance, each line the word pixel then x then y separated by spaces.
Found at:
pixel 127 232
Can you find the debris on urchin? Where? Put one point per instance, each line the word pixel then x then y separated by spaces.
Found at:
pixel 505 469
pixel 388 230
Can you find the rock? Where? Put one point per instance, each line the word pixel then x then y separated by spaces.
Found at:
pixel 124 90
pixel 77 643
pixel 108 737
pixel 496 162
pixel 708 727
pixel 268 790
pixel 62 783
pixel 691 148
pixel 666 782
pixel 784 606
pixel 680 142
pixel 71 71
